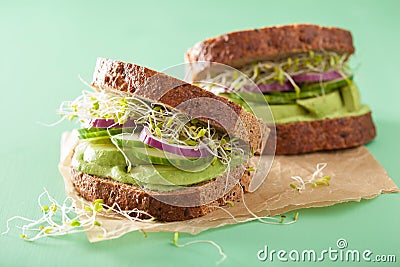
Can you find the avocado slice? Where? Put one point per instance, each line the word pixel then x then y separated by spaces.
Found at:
pixel 351 97
pixel 105 154
pixel 286 111
pixel 322 106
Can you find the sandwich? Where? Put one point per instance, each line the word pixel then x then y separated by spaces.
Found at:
pixel 302 71
pixel 158 146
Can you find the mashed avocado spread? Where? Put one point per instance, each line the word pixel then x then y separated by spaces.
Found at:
pixel 105 160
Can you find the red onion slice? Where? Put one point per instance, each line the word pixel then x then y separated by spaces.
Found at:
pixel 110 123
pixel 201 151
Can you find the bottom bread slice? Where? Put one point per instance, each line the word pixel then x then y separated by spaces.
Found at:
pixel 327 134
pixel 130 197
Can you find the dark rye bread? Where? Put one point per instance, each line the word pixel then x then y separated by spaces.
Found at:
pixel 175 93
pixel 328 134
pixel 130 197
pixel 270 43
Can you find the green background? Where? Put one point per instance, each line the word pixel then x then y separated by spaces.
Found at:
pixel 45 45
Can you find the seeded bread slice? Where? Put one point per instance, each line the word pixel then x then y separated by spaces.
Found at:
pixel 328 134
pixel 270 43
pixel 175 93
pixel 130 197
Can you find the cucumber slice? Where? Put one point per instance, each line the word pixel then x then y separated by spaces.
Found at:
pixel 157 156
pixel 327 85
pixel 95 130
pixel 127 140
pixel 86 133
pixel 291 97
pixel 308 91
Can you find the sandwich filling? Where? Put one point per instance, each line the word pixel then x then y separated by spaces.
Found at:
pixel 305 87
pixel 135 141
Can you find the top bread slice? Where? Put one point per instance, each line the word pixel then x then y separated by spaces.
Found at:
pixel 239 48
pixel 187 98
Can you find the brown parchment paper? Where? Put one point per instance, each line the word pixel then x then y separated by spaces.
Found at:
pixel 355 175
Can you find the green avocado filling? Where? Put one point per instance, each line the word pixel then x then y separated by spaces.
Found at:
pixel 105 160
pixel 122 133
pixel 305 101
pixel 328 100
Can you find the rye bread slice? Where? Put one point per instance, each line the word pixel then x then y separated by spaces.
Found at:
pixel 129 197
pixel 270 43
pixel 183 96
pixel 327 134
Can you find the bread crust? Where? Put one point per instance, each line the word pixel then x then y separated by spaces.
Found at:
pixel 130 197
pixel 270 43
pixel 327 134
pixel 175 93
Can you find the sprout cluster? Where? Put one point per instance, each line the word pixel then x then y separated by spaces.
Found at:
pixel 315 180
pixel 67 218
pixel 170 125
pixel 267 72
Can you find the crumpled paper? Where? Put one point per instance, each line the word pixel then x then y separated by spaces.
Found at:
pixel 355 175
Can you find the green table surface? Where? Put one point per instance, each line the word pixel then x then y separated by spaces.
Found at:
pixel 45 45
